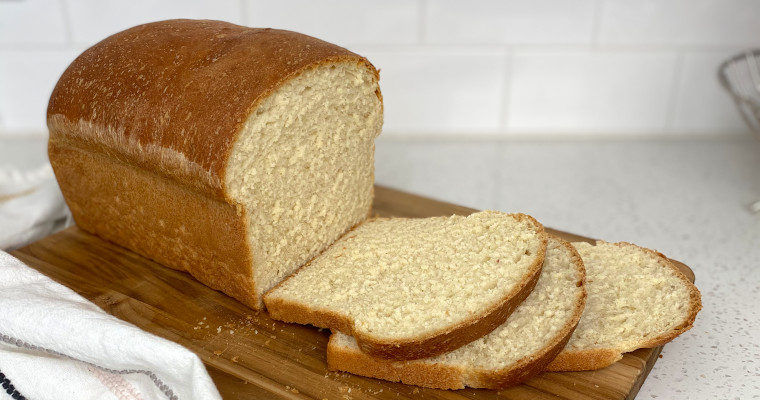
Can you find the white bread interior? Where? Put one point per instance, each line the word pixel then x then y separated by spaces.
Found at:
pixel 303 166
pixel 399 279
pixel 505 356
pixel 636 298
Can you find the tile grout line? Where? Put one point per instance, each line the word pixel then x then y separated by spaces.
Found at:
pixel 495 47
pixel 40 47
pixel 576 136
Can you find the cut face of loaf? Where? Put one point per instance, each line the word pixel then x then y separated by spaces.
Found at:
pixel 514 352
pixel 303 166
pixel 233 153
pixel 413 288
pixel 636 298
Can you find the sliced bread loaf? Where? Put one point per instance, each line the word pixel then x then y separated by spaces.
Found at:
pixel 414 288
pixel 236 154
pixel 515 351
pixel 636 298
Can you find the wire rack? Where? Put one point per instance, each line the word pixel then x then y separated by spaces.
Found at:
pixel 740 75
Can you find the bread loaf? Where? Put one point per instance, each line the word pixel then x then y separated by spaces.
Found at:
pixel 636 298
pixel 232 153
pixel 514 352
pixel 414 288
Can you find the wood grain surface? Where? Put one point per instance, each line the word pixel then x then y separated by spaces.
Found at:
pixel 251 356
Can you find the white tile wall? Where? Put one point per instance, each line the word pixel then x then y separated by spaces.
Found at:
pixel 347 22
pixel 493 67
pixel 93 20
pixel 590 91
pixel 26 80
pixel 702 105
pixel 509 21
pixel 700 23
pixel 32 22
pixel 441 92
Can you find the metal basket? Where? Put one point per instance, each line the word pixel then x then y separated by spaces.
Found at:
pixel 740 75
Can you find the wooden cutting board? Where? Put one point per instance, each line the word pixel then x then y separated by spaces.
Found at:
pixel 251 356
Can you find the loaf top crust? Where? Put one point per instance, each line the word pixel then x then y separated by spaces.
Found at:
pixel 172 96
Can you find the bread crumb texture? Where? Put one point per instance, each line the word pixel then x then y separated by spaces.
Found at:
pixel 536 324
pixel 303 166
pixel 634 296
pixel 402 278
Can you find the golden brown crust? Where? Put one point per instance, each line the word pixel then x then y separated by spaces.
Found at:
pixel 428 345
pixel 172 96
pixel 443 376
pixel 584 360
pixel 439 376
pixel 138 210
pixel 591 359
pixel 141 128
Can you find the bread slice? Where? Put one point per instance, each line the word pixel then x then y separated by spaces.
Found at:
pixel 413 288
pixel 236 154
pixel 515 351
pixel 636 298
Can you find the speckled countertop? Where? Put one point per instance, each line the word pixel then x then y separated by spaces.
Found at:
pixel 689 199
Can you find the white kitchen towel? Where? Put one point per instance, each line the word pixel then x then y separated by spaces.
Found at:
pixel 31 205
pixel 54 344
